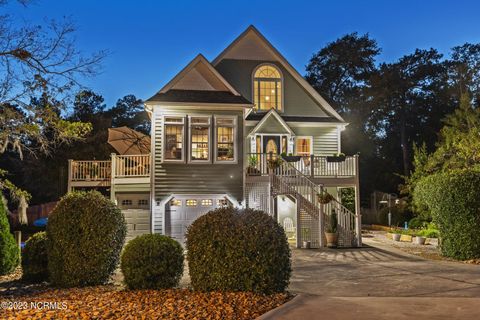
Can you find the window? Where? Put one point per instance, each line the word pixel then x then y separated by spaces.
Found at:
pixel 143 202
pixel 222 202
pixel 267 88
pixel 174 134
pixel 207 202
pixel 199 139
pixel 225 149
pixel 175 203
pixel 127 202
pixel 191 203
pixel 304 146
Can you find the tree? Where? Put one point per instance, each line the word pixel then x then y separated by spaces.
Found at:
pixel 39 61
pixel 9 251
pixel 129 111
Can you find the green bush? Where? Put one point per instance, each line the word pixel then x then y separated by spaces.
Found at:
pixel 453 199
pixel 416 223
pixel 34 258
pixel 9 251
pixel 428 233
pixel 86 232
pixel 152 261
pixel 238 250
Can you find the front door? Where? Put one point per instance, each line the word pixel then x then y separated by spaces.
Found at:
pixel 271 144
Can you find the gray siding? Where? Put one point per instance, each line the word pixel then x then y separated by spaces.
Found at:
pixel 325 139
pixel 297 101
pixel 190 178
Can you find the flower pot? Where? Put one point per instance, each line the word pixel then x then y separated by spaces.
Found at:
pixel 331 239
pixel 396 236
pixel 307 244
pixel 336 158
pixel 420 240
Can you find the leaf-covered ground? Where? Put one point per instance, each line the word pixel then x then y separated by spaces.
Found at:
pixel 112 302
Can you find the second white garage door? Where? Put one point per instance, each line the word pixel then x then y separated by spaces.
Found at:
pixel 182 210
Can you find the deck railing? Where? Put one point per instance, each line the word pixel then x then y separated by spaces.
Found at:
pixel 90 170
pixel 125 166
pixel 311 166
pixel 131 165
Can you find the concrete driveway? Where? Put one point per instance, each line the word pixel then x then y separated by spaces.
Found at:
pixel 379 282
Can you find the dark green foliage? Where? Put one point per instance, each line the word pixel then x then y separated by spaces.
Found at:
pixel 416 223
pixel 453 200
pixel 9 251
pixel 238 250
pixel 428 233
pixel 399 216
pixel 152 261
pixel 86 232
pixel 34 258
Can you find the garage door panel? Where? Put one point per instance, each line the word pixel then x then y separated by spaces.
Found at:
pixel 137 221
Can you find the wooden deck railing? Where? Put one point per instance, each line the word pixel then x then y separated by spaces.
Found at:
pixel 125 166
pixel 311 166
pixel 90 170
pixel 131 165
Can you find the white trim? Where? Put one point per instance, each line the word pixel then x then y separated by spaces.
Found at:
pixel 198 59
pixel 303 137
pixel 235 139
pixel 315 124
pixel 164 132
pixel 277 116
pixel 339 139
pixel 209 125
pixel 315 95
pixel 151 113
pixel 201 105
pixel 252 77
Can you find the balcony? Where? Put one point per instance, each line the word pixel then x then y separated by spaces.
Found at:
pixel 319 169
pixel 121 169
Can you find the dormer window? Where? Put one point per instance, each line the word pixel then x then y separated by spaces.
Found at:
pixel 267 88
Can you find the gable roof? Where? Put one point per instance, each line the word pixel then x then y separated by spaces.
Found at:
pixel 247 35
pixel 272 114
pixel 199 82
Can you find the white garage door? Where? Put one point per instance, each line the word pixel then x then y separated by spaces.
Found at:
pixel 181 211
pixel 135 208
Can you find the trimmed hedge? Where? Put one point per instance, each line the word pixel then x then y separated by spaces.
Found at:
pixel 9 251
pixel 454 201
pixel 152 261
pixel 238 250
pixel 86 232
pixel 34 258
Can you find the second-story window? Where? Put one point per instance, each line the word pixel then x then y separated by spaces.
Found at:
pixel 267 88
pixel 199 139
pixel 174 138
pixel 225 137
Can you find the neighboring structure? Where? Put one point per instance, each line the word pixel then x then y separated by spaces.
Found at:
pixel 216 127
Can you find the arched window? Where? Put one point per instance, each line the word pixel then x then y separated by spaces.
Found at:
pixel 267 88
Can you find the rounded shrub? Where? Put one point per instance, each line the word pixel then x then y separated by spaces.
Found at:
pixel 152 261
pixel 86 232
pixel 9 251
pixel 452 198
pixel 238 250
pixel 34 258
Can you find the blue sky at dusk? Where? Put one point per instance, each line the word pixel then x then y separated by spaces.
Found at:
pixel 150 41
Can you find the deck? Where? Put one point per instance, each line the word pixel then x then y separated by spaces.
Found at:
pixel 121 169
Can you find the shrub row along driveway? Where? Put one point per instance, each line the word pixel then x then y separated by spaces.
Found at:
pixel 380 282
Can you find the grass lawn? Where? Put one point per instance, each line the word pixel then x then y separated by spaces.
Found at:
pixel 114 302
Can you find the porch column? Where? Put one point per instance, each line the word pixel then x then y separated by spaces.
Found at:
pixel 321 223
pixel 358 215
pixel 113 164
pixel 298 229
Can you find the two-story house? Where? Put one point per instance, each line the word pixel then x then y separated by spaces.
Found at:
pixel 218 128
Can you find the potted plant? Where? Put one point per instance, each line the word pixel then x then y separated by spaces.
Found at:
pixel 340 157
pixel 306 243
pixel 396 234
pixel 252 166
pixel 331 230
pixel 324 197
pixel 420 240
pixel 273 163
pixel 290 157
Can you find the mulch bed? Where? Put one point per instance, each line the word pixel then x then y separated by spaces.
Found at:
pixel 113 302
